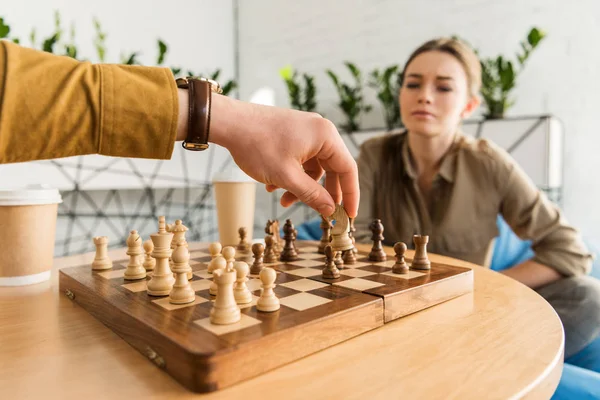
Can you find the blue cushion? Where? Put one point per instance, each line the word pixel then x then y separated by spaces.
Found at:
pixel 578 384
pixel 588 358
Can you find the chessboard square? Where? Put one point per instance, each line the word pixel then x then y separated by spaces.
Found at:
pixel 193 262
pixel 304 285
pixel 356 273
pixel 199 254
pixel 411 274
pixel 253 284
pixel 245 322
pixel 376 269
pixel 387 264
pixel 112 274
pixel 164 303
pixel 248 305
pixel 312 256
pixel 201 284
pixel 303 301
pixel 135 287
pixel 308 263
pixel 357 264
pixel 305 272
pixel 203 274
pixel 358 284
pixel 308 249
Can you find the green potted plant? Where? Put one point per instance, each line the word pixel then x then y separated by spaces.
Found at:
pixel 352 102
pixel 387 85
pixel 301 98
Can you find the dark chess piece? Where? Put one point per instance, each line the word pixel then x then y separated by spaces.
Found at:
pixel 400 267
pixel 330 271
pixel 243 245
pixel 289 250
pixel 257 251
pixel 349 257
pixel 338 260
pixel 377 254
pixel 421 261
pixel 270 255
pixel 325 238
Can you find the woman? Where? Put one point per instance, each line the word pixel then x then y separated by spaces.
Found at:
pixel 431 179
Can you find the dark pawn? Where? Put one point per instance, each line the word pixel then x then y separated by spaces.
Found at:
pixel 400 267
pixel 349 257
pixel 289 250
pixel 270 256
pixel 377 254
pixel 330 271
pixel 257 250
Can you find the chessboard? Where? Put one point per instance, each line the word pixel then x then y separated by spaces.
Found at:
pixel 315 313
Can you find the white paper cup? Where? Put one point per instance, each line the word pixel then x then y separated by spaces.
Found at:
pixel 235 200
pixel 27 232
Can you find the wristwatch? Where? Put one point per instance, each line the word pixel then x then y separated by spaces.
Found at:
pixel 200 100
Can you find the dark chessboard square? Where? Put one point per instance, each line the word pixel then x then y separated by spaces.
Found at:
pixel 330 281
pixel 330 292
pixel 285 267
pixel 284 278
pixel 374 268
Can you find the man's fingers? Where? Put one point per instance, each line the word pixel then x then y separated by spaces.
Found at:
pixel 332 184
pixel 309 192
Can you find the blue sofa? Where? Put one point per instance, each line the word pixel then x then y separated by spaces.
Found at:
pixel 581 374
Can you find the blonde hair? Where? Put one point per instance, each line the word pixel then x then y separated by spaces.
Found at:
pixel 462 52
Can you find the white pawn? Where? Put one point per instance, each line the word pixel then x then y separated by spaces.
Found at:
pixel 229 254
pixel 240 291
pixel 101 260
pixel 134 250
pixel 149 262
pixel 215 251
pixel 182 292
pixel 225 310
pixel 267 301
pixel 219 263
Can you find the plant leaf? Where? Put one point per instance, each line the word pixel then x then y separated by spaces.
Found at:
pixel 4 29
pixel 162 50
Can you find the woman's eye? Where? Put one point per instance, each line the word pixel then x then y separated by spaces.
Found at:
pixel 412 85
pixel 444 89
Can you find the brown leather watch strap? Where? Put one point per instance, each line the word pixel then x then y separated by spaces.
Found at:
pixel 200 96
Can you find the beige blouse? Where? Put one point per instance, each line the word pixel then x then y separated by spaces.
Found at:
pixel 477 181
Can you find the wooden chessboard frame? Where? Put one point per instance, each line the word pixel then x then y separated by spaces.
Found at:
pixel 176 340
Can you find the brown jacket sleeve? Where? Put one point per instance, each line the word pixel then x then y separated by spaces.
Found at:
pixel 532 216
pixel 54 106
pixel 368 166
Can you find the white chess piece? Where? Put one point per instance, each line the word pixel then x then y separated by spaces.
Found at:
pixel 229 254
pixel 162 279
pixel 182 292
pixel 219 263
pixel 267 301
pixel 215 251
pixel 240 291
pixel 225 310
pixel 134 250
pixel 101 260
pixel 149 262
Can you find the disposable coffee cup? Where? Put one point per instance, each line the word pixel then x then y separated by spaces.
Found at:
pixel 27 232
pixel 235 200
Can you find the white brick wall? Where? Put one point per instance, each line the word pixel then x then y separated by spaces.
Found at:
pixel 561 77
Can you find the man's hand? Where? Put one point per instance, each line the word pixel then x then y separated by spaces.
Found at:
pixel 288 149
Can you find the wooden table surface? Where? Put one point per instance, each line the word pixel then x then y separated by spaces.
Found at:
pixel 501 341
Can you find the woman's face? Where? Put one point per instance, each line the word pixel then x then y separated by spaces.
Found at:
pixel 434 97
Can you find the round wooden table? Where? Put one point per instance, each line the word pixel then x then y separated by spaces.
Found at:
pixel 501 341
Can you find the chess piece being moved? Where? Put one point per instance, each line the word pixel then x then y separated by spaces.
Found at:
pixel 340 238
pixel 377 253
pixel 149 262
pixel 326 228
pixel 289 250
pixel 225 310
pixel 268 301
pixel 240 291
pixel 352 230
pixel 182 292
pixel 215 251
pixel 101 260
pixel 243 245
pixel 134 250
pixel 330 271
pixel 257 252
pixel 162 279
pixel 270 252
pixel 400 267
pixel 421 260
pixel 218 263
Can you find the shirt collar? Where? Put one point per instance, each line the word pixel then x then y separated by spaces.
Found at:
pixel 447 168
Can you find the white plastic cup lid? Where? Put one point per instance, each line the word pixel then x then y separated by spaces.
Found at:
pixel 232 174
pixel 29 195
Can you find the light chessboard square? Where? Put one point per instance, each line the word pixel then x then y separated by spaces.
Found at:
pixel 245 322
pixel 253 284
pixel 248 305
pixel 198 254
pixel 411 274
pixel 356 273
pixel 307 263
pixel 112 274
pixel 199 285
pixel 136 286
pixel 203 274
pixel 357 264
pixel 310 249
pixel 387 263
pixel 304 285
pixel 358 284
pixel 304 272
pixel 164 303
pixel 311 256
pixel 192 262
pixel 303 301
